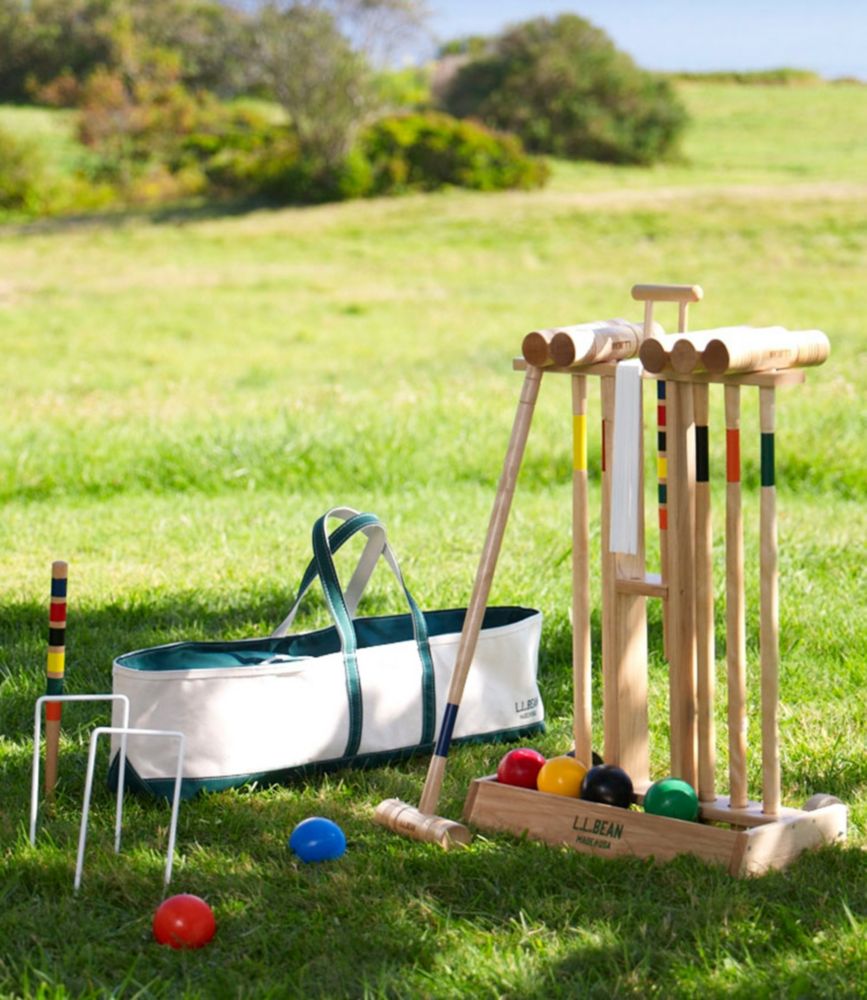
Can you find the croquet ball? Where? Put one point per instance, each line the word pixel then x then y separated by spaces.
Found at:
pixel 561 776
pixel 608 784
pixel 672 797
pixel 184 921
pixel 317 839
pixel 596 759
pixel 520 767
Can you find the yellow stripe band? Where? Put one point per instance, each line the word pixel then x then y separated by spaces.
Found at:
pixel 662 467
pixel 579 442
pixel 56 663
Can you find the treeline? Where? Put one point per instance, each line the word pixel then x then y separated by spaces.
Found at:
pixel 161 90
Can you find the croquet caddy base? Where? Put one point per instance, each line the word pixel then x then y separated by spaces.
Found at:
pixel 756 846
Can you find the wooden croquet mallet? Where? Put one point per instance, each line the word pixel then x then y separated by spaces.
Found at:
pixel 422 823
pixel 55 668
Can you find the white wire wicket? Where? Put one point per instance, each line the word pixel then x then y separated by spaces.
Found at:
pixel 37 740
pixel 124 732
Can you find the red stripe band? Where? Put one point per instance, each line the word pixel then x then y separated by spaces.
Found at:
pixel 733 455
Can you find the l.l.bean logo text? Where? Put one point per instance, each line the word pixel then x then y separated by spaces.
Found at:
pixel 596 832
pixel 527 708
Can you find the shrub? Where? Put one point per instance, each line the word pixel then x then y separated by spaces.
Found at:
pixel 782 77
pixel 563 87
pixel 22 177
pixel 423 152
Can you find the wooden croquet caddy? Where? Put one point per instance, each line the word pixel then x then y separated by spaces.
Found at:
pixel 747 837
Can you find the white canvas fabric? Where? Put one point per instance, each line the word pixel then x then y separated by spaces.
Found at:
pixel 250 720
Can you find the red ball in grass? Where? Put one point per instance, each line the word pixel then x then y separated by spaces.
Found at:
pixel 184 921
pixel 520 767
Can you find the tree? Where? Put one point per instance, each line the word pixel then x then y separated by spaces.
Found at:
pixel 317 57
pixel 565 89
pixel 42 40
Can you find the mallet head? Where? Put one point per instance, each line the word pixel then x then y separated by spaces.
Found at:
pixel 411 822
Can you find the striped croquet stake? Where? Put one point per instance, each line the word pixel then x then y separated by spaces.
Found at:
pixel 56 665
pixel 662 488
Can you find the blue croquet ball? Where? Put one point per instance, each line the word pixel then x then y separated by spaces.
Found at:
pixel 317 839
pixel 672 797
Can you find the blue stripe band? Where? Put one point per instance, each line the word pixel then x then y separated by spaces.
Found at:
pixel 58 586
pixel 445 737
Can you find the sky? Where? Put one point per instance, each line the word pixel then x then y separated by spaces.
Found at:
pixel 826 36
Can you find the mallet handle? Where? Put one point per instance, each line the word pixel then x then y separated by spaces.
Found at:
pixel 736 646
pixel 581 655
pixel 482 585
pixel 769 609
pixel 667 293
pixel 704 617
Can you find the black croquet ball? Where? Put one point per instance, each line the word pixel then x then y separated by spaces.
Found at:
pixel 608 784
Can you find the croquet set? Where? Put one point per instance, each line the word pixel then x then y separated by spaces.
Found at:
pixel 196 715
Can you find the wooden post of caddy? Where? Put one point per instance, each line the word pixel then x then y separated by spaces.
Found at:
pixel 757 836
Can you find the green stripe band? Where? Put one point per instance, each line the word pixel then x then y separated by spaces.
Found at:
pixel 767 459
pixel 702 461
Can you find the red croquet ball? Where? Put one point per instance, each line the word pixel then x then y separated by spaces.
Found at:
pixel 184 921
pixel 520 767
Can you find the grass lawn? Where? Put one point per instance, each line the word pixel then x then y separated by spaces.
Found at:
pixel 184 393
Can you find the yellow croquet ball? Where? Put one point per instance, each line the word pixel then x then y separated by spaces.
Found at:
pixel 561 776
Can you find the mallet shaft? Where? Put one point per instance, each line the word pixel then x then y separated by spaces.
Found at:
pixel 581 646
pixel 736 649
pixel 482 586
pixel 769 612
pixel 704 617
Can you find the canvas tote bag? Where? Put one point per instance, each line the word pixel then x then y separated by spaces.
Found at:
pixel 362 691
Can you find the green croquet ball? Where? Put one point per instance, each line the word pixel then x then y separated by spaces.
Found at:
pixel 672 797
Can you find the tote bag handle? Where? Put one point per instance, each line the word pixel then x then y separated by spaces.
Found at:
pixel 342 608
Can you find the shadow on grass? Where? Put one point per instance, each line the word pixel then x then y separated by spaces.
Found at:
pixel 506 918
pixel 395 918
pixel 175 215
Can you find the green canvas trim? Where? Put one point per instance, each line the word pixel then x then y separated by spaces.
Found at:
pixel 336 540
pixel 343 623
pixel 379 630
pixel 164 787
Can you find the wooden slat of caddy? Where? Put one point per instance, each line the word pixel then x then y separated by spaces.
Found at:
pixel 579 824
pixel 775 845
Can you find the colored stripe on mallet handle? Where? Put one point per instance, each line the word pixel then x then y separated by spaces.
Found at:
pixel 55 668
pixel 421 823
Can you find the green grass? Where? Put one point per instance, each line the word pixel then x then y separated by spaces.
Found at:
pixel 183 394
